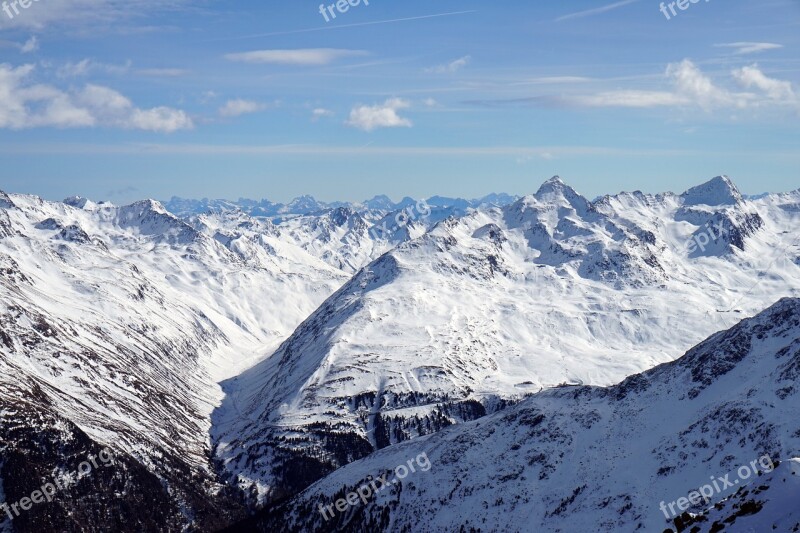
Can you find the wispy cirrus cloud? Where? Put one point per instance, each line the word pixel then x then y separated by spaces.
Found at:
pixel 553 80
pixel 87 66
pixel 596 11
pixel 689 87
pixel 345 26
pixel 742 48
pixel 451 67
pixel 299 57
pixel 162 72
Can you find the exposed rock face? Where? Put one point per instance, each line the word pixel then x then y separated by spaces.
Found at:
pixel 117 495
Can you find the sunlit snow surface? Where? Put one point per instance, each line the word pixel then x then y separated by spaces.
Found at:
pixel 220 333
pixel 604 459
pixel 127 318
pixel 506 302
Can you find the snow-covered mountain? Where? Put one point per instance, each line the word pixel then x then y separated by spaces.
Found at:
pixel 345 236
pixel 116 325
pixel 236 354
pixel 485 310
pixel 722 419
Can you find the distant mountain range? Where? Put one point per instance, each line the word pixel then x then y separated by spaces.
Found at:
pixel 307 205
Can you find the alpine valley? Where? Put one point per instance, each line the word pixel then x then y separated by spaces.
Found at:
pixel 566 364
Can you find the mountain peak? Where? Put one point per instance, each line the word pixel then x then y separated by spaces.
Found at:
pixel 555 181
pixel 303 205
pixel 150 205
pixel 306 199
pixel 151 218
pixel 380 202
pixel 553 185
pixel 555 190
pixel 79 202
pixel 717 191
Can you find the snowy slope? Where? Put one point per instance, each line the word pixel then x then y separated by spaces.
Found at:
pixel 340 237
pixel 484 310
pixel 603 459
pixel 231 349
pixel 118 323
pixel 346 236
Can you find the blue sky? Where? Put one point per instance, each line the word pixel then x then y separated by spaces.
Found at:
pixel 122 100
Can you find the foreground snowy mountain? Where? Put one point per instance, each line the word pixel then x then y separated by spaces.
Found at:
pixel 485 310
pixel 710 442
pixel 116 325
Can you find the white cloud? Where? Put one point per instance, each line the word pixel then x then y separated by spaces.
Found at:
pixel 302 57
pixel 749 48
pixel 321 112
pixel 431 102
pixel 74 70
pixel 631 98
pixel 695 87
pixel 235 108
pixel 27 105
pixel 453 66
pixel 384 115
pixel 160 119
pixel 31 45
pixel 107 101
pixel 691 87
pixel 777 90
